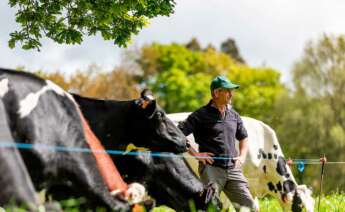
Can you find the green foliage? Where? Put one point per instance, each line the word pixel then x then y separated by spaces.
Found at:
pixel 260 89
pixel 181 78
pixel 73 204
pixel 67 21
pixel 311 121
pixel 163 209
pixel 177 92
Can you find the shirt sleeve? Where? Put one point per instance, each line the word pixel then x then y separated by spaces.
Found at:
pixel 188 126
pixel 241 132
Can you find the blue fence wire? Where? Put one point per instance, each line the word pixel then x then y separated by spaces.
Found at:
pixel 88 150
pixel 300 163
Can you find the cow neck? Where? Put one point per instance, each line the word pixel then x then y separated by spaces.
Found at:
pixel 131 118
pixel 107 119
pixel 106 166
pixel 121 125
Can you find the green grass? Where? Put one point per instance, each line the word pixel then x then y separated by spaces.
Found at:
pixel 329 203
pixel 334 203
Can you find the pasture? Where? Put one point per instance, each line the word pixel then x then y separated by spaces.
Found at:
pixel 330 203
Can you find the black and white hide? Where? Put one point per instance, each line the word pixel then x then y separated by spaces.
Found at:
pixel 36 111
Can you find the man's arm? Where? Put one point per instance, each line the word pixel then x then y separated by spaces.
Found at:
pixel 204 157
pixel 242 137
pixel 243 147
pixel 187 127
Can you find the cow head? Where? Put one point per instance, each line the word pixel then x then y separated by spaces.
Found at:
pixel 281 183
pixel 140 122
pixel 151 127
pixel 306 196
pixel 170 180
pixel 298 199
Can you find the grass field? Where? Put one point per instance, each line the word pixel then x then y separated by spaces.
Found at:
pixel 330 203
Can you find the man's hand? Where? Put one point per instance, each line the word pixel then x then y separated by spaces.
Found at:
pixel 243 146
pixel 239 161
pixel 204 157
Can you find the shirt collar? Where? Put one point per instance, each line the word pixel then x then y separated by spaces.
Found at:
pixel 211 104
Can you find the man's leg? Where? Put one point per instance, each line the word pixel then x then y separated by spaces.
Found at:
pixel 211 174
pixel 236 189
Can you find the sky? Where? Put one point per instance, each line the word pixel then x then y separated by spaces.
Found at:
pixel 267 32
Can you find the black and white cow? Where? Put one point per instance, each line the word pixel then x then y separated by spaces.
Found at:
pixel 169 180
pixel 15 180
pixel 38 112
pixel 266 168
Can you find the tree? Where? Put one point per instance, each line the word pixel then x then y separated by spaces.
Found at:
pixel 181 79
pixel 321 73
pixel 68 21
pixel 260 88
pixel 57 77
pixel 229 47
pixel 117 84
pixel 210 46
pixel 312 119
pixel 193 45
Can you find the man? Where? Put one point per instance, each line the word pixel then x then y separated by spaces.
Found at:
pixel 215 127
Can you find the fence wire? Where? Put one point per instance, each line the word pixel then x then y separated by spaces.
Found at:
pixel 309 161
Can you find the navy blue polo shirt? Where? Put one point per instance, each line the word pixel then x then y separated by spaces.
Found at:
pixel 214 133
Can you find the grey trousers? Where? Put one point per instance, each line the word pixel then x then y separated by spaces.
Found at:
pixel 231 181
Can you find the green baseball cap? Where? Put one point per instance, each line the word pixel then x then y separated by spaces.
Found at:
pixel 222 82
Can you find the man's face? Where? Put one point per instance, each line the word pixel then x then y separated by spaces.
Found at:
pixel 223 96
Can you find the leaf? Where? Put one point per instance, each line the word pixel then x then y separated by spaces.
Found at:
pixel 39 19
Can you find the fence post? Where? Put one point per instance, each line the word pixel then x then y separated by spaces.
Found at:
pixel 323 160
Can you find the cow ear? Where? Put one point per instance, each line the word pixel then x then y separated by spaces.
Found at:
pixel 146 98
pixel 147 103
pixel 147 95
